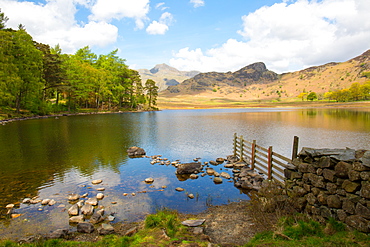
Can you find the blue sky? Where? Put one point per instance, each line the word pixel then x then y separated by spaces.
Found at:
pixel 205 35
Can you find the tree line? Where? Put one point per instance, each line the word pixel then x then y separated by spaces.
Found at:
pixel 40 79
pixel 356 92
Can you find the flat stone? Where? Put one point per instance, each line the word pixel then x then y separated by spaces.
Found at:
pixel 188 168
pixel 92 201
pixel 100 189
pixel 179 189
pixel 52 202
pixel 76 219
pixel 73 197
pixel 60 233
pixel 225 175
pixel 97 181
pixel 193 223
pixel 217 180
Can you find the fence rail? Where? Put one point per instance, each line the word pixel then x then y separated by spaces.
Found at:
pixel 263 159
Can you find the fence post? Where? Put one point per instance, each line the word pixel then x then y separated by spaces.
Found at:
pixel 241 148
pixel 253 157
pixel 235 137
pixel 295 148
pixel 269 163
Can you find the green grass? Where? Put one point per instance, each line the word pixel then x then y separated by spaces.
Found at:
pixel 164 229
pixel 299 230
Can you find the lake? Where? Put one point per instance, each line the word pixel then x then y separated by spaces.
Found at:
pixel 52 158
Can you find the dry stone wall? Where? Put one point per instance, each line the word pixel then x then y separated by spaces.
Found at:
pixel 332 183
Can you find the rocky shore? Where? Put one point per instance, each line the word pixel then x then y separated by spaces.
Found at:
pixel 86 216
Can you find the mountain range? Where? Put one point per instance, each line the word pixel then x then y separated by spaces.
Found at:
pixel 256 82
pixel 165 75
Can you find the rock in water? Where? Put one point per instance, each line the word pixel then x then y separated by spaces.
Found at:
pixel 85 227
pixel 87 209
pixel 73 197
pixel 225 175
pixel 92 201
pixel 45 201
pixel 96 218
pixel 135 152
pixel 149 180
pixel 76 219
pixel 189 168
pixel 97 181
pixel 100 196
pixel 73 210
pixel 217 180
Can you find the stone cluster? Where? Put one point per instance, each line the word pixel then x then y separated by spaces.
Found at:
pixel 332 183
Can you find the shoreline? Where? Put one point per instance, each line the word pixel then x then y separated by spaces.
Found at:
pixel 364 105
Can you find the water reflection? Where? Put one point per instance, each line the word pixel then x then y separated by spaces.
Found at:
pixel 53 157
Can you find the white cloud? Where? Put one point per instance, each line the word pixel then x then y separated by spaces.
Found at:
pixel 197 3
pixel 289 36
pixel 157 28
pixel 106 10
pixel 161 6
pixel 54 23
pixel 161 26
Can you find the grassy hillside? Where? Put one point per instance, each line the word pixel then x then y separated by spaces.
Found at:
pixel 218 89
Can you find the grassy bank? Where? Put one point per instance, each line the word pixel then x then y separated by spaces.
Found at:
pixel 165 229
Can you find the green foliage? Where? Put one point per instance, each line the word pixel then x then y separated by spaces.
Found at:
pixel 38 79
pixel 164 219
pixel 312 96
pixel 366 74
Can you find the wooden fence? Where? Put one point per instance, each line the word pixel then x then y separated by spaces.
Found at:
pixel 264 160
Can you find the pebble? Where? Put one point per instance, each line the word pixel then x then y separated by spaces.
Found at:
pixel 100 196
pixel 191 196
pixel 97 181
pixel 125 194
pixel 149 180
pixel 179 189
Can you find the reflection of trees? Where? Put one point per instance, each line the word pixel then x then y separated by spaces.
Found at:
pixel 33 153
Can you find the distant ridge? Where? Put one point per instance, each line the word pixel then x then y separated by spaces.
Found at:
pixel 256 82
pixel 165 75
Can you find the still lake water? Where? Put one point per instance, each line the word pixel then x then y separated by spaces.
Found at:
pixel 52 158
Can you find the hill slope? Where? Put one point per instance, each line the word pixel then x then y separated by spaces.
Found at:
pixel 165 75
pixel 256 82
